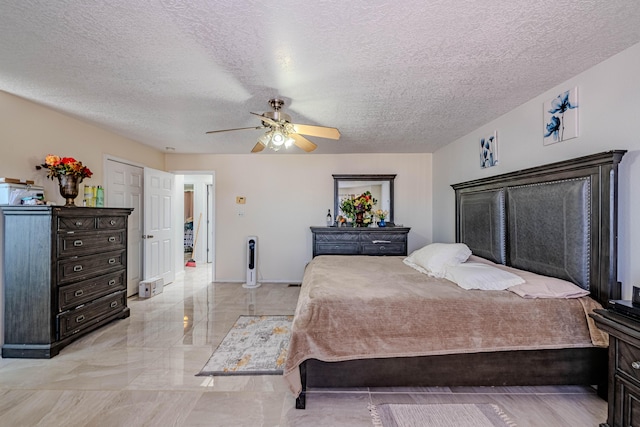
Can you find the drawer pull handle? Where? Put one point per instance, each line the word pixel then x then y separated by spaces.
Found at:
pixel 77 268
pixel 78 293
pixel 77 243
pixel 380 241
pixel 78 223
pixel 635 365
pixel 382 248
pixel 112 222
pixel 112 282
pixel 112 260
pixel 80 318
pixel 112 239
pixel 114 304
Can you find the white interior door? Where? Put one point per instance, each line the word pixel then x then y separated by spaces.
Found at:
pixel 158 233
pixel 124 189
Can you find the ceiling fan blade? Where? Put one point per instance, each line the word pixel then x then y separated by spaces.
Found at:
pixel 258 147
pixel 266 119
pixel 319 131
pixel 303 143
pixel 229 130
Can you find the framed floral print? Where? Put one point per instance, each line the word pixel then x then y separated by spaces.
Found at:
pixel 561 117
pixel 489 151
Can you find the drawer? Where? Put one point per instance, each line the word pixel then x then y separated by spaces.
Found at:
pixel 71 322
pixel 111 222
pixel 76 223
pixel 336 237
pixel 383 249
pixel 383 237
pixel 80 268
pixel 627 403
pixel 336 249
pixel 71 296
pixel 82 244
pixel 628 356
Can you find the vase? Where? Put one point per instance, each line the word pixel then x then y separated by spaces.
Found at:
pixel 382 223
pixel 359 219
pixel 69 188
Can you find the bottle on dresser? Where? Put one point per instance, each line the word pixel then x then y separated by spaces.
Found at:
pixel 99 197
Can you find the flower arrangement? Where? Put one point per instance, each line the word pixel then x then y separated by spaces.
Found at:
pixel 351 206
pixel 64 166
pixel 381 214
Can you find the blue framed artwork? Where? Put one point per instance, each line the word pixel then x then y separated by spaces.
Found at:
pixel 489 151
pixel 561 117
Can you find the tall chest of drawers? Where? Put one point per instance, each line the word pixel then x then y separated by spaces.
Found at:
pixel 65 274
pixel 359 240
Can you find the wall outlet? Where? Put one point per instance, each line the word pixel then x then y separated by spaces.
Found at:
pixel 241 200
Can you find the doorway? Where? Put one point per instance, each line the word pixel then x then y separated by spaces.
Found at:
pixel 199 218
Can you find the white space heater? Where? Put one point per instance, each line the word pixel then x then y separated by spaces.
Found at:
pixel 252 263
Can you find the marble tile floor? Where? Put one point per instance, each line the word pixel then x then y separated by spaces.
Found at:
pixel 141 371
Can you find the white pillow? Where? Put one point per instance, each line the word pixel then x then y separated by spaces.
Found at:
pixel 434 258
pixel 475 275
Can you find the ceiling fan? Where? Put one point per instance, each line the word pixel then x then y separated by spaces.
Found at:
pixel 282 133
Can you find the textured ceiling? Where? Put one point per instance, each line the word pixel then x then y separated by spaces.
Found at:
pixel 392 76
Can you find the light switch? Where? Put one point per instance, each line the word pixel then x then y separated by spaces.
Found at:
pixel 240 200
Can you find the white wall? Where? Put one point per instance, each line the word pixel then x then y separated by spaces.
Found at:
pixel 287 193
pixel 28 132
pixel 609 118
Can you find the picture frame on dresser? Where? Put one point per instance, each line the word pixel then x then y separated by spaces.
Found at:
pixel 64 275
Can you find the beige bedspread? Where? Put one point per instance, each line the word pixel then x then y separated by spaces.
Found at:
pixel 357 307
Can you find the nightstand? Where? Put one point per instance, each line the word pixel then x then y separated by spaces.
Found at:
pixel 624 367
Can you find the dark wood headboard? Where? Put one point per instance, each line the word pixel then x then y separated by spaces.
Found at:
pixel 559 220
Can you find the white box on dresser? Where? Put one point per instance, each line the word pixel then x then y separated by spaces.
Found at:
pixel 7 190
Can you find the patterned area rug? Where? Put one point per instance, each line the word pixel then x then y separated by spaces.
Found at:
pixel 441 415
pixel 255 345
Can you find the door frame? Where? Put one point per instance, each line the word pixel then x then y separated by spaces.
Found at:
pixel 210 224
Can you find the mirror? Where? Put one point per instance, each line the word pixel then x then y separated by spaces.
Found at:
pixel 380 186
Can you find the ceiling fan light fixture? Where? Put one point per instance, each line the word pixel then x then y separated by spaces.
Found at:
pixel 275 139
pixel 278 138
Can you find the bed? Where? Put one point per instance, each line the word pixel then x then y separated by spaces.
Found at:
pixel 374 321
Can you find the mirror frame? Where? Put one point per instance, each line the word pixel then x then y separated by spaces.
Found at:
pixel 363 177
